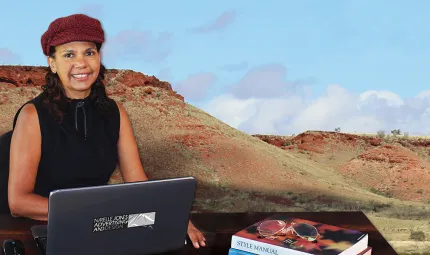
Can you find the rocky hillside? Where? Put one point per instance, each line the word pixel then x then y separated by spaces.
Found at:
pixel 238 172
pixel 393 166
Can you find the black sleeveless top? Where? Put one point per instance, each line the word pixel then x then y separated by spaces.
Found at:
pixel 79 152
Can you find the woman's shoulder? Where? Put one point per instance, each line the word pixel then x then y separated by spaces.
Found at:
pixel 119 106
pixel 26 115
pixel 30 110
pixel 36 101
pixel 122 111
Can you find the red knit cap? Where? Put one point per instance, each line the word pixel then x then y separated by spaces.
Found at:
pixel 77 27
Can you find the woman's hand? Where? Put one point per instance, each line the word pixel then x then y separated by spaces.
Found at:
pixel 196 236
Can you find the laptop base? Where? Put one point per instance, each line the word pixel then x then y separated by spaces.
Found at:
pixel 40 235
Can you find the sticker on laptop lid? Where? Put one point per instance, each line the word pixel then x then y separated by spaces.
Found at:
pixel 123 221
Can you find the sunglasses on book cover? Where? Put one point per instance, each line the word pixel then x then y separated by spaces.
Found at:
pixel 271 228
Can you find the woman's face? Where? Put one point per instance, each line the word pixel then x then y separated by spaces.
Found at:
pixel 78 65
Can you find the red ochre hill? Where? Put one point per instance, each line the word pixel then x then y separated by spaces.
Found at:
pixel 387 178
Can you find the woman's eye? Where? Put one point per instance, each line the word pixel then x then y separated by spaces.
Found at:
pixel 90 53
pixel 68 55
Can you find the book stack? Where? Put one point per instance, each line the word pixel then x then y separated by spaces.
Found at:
pixel 283 235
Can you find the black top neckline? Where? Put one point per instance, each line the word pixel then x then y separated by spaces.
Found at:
pixel 77 100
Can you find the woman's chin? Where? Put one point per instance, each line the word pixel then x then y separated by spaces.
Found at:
pixel 79 91
pixel 82 86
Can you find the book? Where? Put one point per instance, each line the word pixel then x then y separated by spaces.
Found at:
pixel 284 235
pixel 232 251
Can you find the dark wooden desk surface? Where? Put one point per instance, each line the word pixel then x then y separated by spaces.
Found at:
pixel 219 227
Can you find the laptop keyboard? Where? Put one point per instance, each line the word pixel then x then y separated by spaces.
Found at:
pixel 42 243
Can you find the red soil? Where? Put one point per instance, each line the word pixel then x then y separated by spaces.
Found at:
pixel 395 170
pixel 320 142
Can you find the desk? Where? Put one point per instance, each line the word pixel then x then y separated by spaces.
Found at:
pixel 219 227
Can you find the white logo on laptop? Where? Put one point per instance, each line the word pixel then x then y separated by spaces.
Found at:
pixel 124 221
pixel 141 219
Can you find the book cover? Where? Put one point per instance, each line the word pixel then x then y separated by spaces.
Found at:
pixel 281 234
pixel 233 251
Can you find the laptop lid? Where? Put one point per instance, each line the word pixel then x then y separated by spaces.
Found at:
pixel 128 218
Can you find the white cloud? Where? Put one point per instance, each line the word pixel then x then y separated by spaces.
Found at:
pixel 7 57
pixel 262 81
pixel 390 98
pixel 326 111
pixel 196 86
pixel 269 114
pixel 424 94
pixel 223 21
pixel 283 113
pixel 231 110
pixel 136 45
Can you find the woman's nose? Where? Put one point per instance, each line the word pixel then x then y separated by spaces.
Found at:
pixel 80 61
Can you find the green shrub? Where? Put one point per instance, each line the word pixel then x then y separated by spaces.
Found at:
pixel 381 134
pixel 287 143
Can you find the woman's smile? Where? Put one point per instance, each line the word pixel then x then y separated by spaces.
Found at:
pixel 81 76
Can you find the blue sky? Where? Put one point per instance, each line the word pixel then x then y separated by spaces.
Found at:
pixel 292 58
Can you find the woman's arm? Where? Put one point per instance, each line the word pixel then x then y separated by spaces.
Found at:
pixel 128 154
pixel 132 170
pixel 25 152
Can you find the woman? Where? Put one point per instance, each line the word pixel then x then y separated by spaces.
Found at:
pixel 72 134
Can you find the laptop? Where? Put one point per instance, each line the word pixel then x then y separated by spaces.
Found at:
pixel 128 218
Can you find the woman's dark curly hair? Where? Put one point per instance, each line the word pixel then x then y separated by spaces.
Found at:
pixel 56 101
